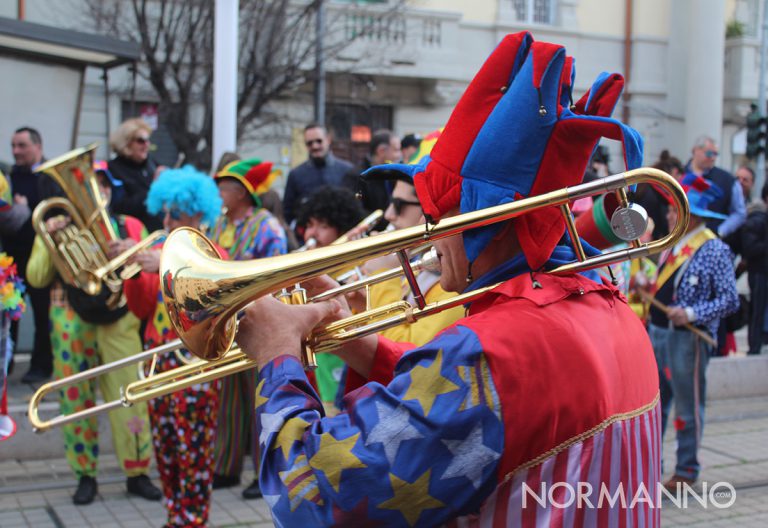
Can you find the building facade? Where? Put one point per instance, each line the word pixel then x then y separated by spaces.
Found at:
pixel 409 64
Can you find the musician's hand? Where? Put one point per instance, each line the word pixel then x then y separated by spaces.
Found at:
pixel 677 315
pixel 270 329
pixel 116 247
pixel 56 223
pixel 149 260
pixel 356 232
pixel 20 199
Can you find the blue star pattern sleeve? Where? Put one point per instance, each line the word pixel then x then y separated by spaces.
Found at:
pixel 709 285
pixel 417 452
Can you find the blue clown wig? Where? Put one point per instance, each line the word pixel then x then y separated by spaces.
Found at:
pixel 188 189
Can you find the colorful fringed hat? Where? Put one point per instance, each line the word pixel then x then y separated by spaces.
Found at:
pixel 517 133
pixel 255 175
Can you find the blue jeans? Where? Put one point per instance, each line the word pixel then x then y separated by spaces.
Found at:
pixel 682 359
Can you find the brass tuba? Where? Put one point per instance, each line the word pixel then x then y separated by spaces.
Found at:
pixel 79 251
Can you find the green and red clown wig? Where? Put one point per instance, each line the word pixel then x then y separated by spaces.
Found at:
pixel 253 174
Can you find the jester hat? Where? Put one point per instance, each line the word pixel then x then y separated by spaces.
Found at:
pixel 515 133
pixel 254 174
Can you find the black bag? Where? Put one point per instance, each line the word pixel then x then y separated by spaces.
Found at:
pixel 739 318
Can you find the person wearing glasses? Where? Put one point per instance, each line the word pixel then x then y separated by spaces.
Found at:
pixel 135 168
pixel 320 170
pixel 183 422
pixel 404 211
pixel 702 163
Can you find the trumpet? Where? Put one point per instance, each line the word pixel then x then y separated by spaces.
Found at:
pixel 204 294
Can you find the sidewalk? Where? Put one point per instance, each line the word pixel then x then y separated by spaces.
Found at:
pixel 36 493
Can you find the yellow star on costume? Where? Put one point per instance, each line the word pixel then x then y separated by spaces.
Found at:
pixel 411 498
pixel 291 431
pixel 260 400
pixel 427 384
pixel 334 456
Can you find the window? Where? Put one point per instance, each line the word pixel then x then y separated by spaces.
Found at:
pixel 534 11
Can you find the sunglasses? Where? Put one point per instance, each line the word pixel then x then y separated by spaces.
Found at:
pixel 141 140
pixel 313 141
pixel 399 203
pixel 711 153
pixel 174 212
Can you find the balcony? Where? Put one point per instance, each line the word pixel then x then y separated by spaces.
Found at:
pixel 742 66
pixel 401 42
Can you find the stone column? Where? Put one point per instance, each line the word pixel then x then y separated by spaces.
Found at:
pixel 704 83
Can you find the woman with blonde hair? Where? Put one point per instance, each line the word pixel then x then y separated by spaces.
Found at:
pixel 133 165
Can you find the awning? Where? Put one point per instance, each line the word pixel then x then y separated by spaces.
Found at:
pixel 65 46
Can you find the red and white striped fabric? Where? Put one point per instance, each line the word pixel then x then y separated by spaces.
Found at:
pixel 607 479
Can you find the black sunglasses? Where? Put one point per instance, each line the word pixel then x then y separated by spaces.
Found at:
pixel 399 203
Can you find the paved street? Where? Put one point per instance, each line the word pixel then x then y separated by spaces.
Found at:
pixel 36 493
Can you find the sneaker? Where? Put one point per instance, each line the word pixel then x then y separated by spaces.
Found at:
pixel 86 491
pixel 141 486
pixel 35 376
pixel 225 481
pixel 672 484
pixel 253 491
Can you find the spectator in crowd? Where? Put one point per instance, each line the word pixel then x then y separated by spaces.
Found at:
pixel 409 146
pixel 29 188
pixel 183 422
pixel 754 253
pixel 731 201
pixel 321 169
pixel 85 331
pixel 246 231
pixel 696 282
pixel 653 202
pixel 746 177
pixel 135 168
pixel 384 148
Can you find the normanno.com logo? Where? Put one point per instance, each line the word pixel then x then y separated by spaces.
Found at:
pixel 719 495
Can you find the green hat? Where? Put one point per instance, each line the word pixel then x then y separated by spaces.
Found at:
pixel 255 175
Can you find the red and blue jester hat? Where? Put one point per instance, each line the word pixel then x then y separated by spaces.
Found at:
pixel 516 133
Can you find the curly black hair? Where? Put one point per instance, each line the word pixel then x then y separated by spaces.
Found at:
pixel 337 206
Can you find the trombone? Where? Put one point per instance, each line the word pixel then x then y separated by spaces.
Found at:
pixel 205 294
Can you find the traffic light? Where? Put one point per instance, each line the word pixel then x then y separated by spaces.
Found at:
pixel 755 133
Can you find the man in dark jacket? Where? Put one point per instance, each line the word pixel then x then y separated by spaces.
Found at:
pixel 320 170
pixel 29 189
pixel 754 250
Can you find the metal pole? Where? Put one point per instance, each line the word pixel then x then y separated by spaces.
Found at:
pixel 760 172
pixel 319 65
pixel 225 30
